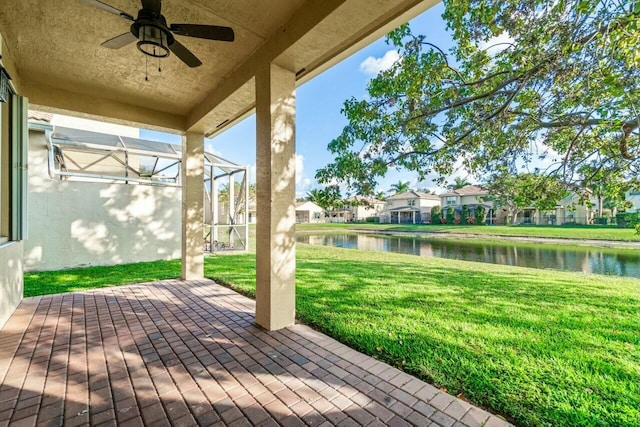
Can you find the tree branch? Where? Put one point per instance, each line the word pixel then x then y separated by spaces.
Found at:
pixel 410 153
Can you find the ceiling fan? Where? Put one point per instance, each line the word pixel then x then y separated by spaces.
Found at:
pixel 155 38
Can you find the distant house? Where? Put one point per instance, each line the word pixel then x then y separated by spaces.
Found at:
pixel 411 207
pixel 252 212
pixel 339 215
pixel 633 196
pixel 361 208
pixel 570 210
pixel 309 212
pixel 470 195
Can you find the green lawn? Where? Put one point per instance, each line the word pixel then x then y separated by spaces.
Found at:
pixel 591 232
pixel 78 279
pixel 543 348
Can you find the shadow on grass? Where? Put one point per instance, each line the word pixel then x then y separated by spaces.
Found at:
pixel 78 279
pixel 543 348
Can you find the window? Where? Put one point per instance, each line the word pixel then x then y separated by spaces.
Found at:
pixel 411 202
pixel 13 171
pixel 451 200
pixel 389 203
pixel 4 170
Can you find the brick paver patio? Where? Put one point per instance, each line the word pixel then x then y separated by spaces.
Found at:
pixel 187 353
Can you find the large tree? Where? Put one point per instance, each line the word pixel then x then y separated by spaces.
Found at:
pixel 609 187
pixel 526 81
pixel 514 193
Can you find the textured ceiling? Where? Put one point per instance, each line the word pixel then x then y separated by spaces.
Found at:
pixel 52 47
pixel 57 43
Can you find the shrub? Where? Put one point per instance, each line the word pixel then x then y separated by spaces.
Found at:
pixel 465 214
pixel 628 219
pixel 471 220
pixel 451 214
pixel 370 219
pixel 480 214
pixel 436 211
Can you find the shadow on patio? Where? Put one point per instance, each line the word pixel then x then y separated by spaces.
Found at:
pixel 189 353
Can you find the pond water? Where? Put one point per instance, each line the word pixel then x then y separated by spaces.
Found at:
pixel 619 262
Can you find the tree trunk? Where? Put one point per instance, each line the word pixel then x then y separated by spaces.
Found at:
pixel 600 205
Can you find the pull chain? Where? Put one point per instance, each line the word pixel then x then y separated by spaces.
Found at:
pixel 146 65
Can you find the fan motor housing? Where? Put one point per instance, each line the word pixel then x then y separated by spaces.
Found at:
pixel 152 32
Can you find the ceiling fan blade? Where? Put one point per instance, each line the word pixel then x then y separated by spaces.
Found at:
pixel 120 41
pixel 154 6
pixel 108 8
pixel 211 32
pixel 184 54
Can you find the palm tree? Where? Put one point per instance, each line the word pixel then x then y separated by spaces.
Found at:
pixel 458 183
pixel 318 197
pixel 380 195
pixel 400 187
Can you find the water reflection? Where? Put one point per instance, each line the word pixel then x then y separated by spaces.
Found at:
pixel 624 262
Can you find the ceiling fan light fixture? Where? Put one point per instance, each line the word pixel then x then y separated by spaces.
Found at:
pixel 155 38
pixel 153 41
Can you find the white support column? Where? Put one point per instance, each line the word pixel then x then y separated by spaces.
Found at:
pixel 232 199
pixel 246 210
pixel 192 169
pixel 232 210
pixel 215 219
pixel 276 212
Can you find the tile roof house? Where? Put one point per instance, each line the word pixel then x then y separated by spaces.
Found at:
pixel 361 208
pixel 309 212
pixel 411 207
pixel 569 209
pixel 469 195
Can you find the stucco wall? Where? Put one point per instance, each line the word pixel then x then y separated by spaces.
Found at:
pixel 10 279
pixel 74 223
pixel 472 200
pixel 428 203
pixel 362 212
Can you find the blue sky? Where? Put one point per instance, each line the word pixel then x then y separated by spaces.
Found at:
pixel 318 103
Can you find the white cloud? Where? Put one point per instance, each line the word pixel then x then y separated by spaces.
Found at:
pixel 209 148
pixel 299 168
pixel 497 44
pixel 372 66
pixel 252 173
